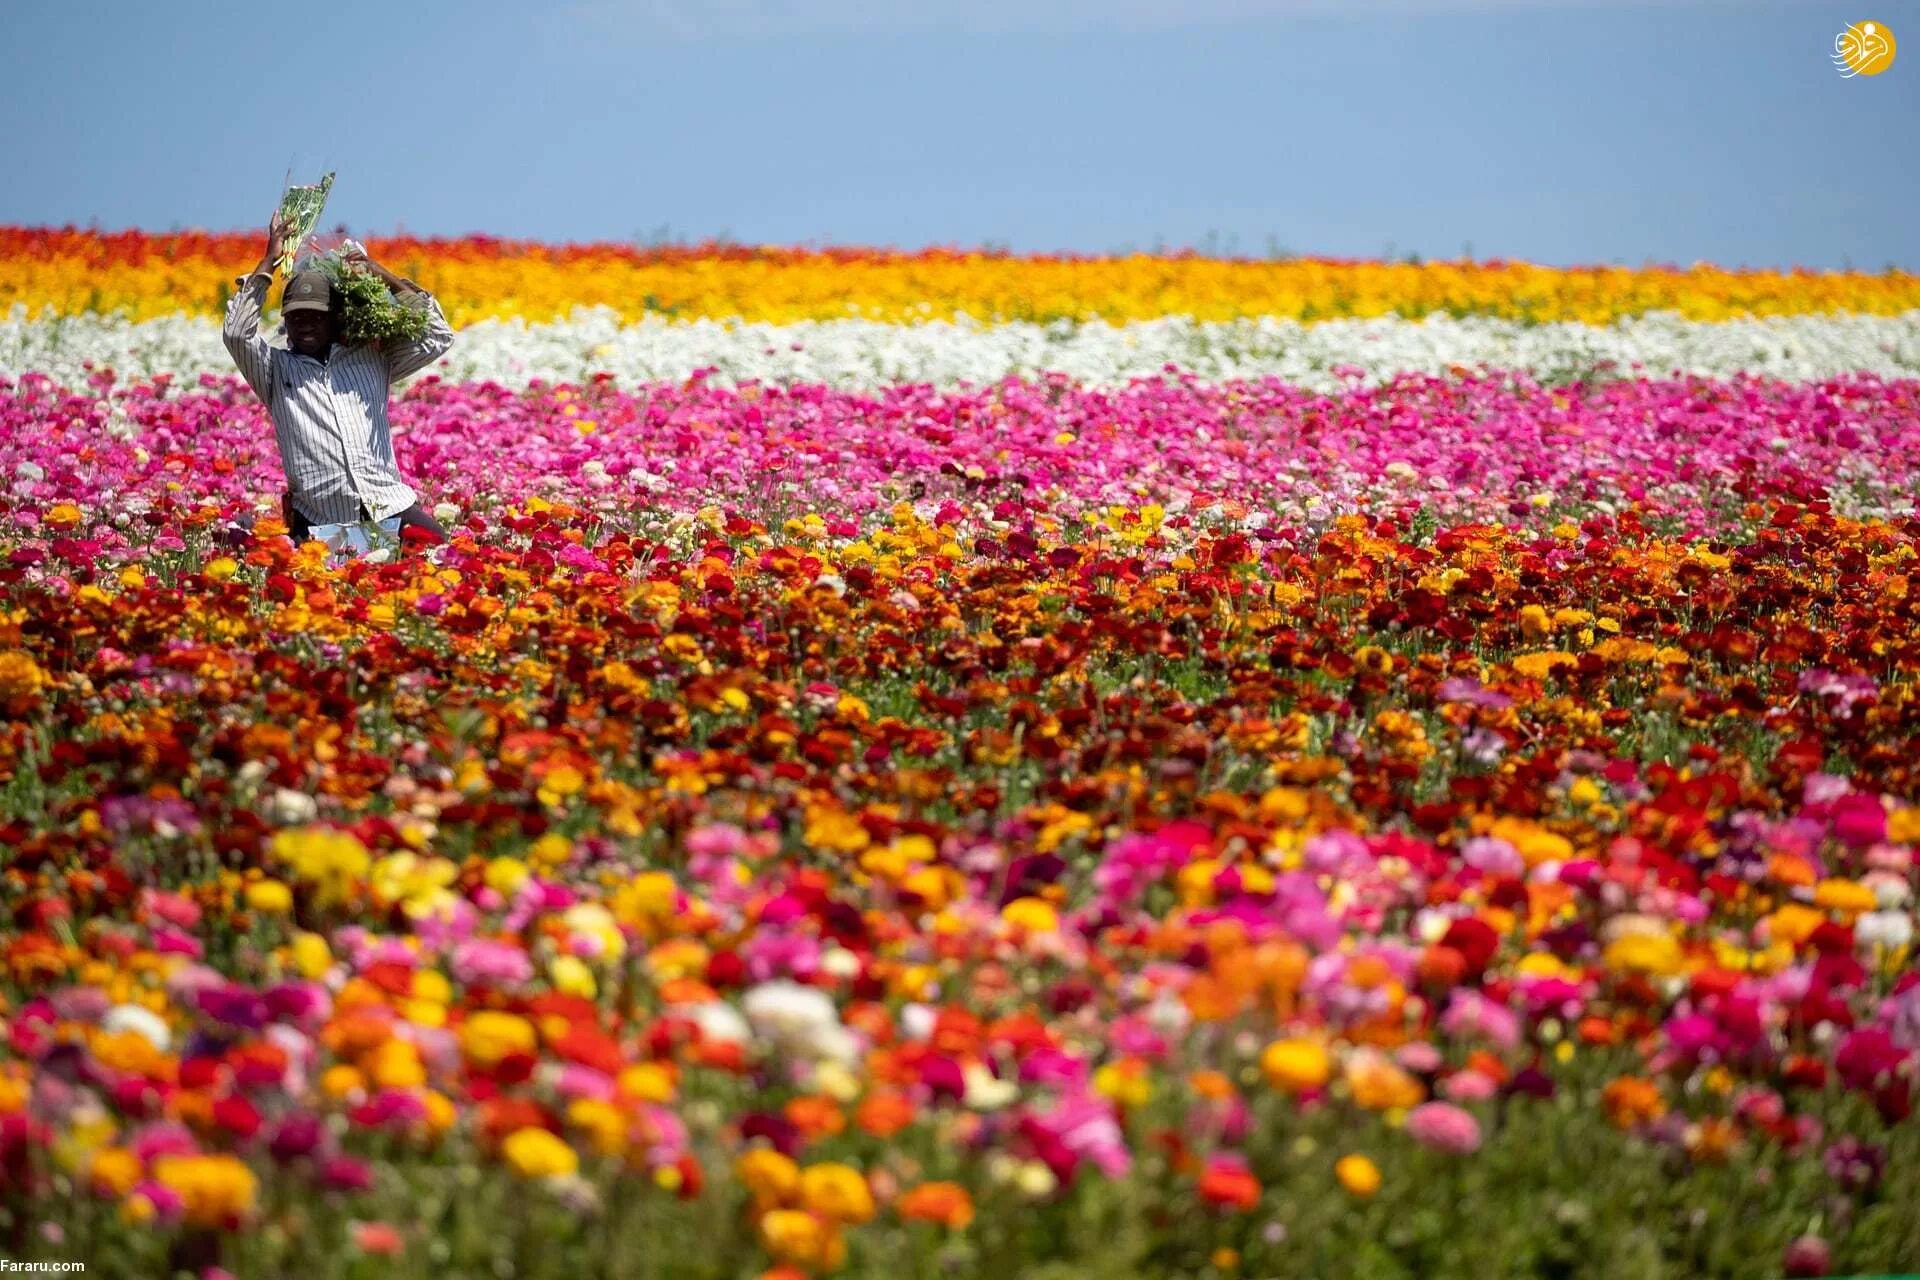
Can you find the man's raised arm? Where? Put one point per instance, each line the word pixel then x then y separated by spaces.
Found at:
pixel 241 332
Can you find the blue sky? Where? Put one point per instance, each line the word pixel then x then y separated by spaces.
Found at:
pixel 1551 130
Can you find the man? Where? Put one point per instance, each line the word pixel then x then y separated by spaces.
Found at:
pixel 329 401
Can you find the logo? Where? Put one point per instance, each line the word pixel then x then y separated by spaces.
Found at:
pixel 1863 49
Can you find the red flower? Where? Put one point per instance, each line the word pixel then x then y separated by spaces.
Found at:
pixel 237 1116
pixel 1476 942
pixel 1228 1184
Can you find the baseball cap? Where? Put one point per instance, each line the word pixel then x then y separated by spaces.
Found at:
pixel 307 291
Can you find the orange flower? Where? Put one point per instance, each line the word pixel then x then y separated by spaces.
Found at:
pixel 1211 1084
pixel 946 1203
pixel 1358 1175
pixel 1631 1100
pixel 1597 1031
pixel 1381 1084
pixel 815 1117
pixel 1212 999
pixel 884 1113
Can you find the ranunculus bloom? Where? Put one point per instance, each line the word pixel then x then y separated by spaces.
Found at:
pixel 947 1203
pixel 1358 1175
pixel 537 1153
pixel 1228 1184
pixel 1444 1127
pixel 1296 1065
pixel 836 1191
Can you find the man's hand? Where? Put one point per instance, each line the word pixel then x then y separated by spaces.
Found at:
pixel 359 261
pixel 277 228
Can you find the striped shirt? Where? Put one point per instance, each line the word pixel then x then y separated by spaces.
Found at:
pixel 330 416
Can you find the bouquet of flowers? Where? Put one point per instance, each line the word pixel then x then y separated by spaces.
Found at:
pixel 301 207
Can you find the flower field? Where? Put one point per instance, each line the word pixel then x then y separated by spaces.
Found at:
pixel 943 765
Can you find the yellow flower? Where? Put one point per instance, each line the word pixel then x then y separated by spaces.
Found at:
pixel 269 897
pixel 417 884
pixel 1539 666
pixel 1034 915
pixel 647 1082
pixel 1534 842
pixel 1651 953
pixel 836 1191
pixel 784 285
pixel 833 828
pixel 551 851
pixel 536 1153
pixel 571 975
pixel 221 569
pixel 802 1238
pixel 310 955
pixel 1296 1065
pixel 648 897
pixel 592 921
pixel 333 861
pixel 504 875
pixel 20 675
pixel 1359 1175
pixel 1793 923
pixel 1844 895
pixel 771 1177
pixel 1903 825
pixel 441 1113
pixel 604 1124
pixel 489 1035
pixel 561 783
pixel 114 1171
pixel 216 1190
pixel 1125 1082
pixel 396 1064
pixel 341 1081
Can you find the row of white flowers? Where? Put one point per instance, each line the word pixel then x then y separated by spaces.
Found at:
pixel 862 353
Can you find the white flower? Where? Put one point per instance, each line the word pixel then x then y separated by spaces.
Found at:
pixel 916 1021
pixel 446 512
pixel 140 1020
pixel 986 1091
pixel 1168 1014
pixel 291 808
pixel 839 962
pixel 799 1019
pixel 865 353
pixel 1892 929
pixel 1430 926
pixel 721 1022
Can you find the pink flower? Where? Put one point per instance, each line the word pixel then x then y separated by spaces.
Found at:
pixel 484 962
pixel 1444 1127
pixel 1471 1016
pixel 167 1204
pixel 1468 1086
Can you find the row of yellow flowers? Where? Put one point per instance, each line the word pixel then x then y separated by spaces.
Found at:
pixel 146 275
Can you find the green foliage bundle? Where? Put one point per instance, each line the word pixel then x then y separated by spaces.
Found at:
pixel 369 311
